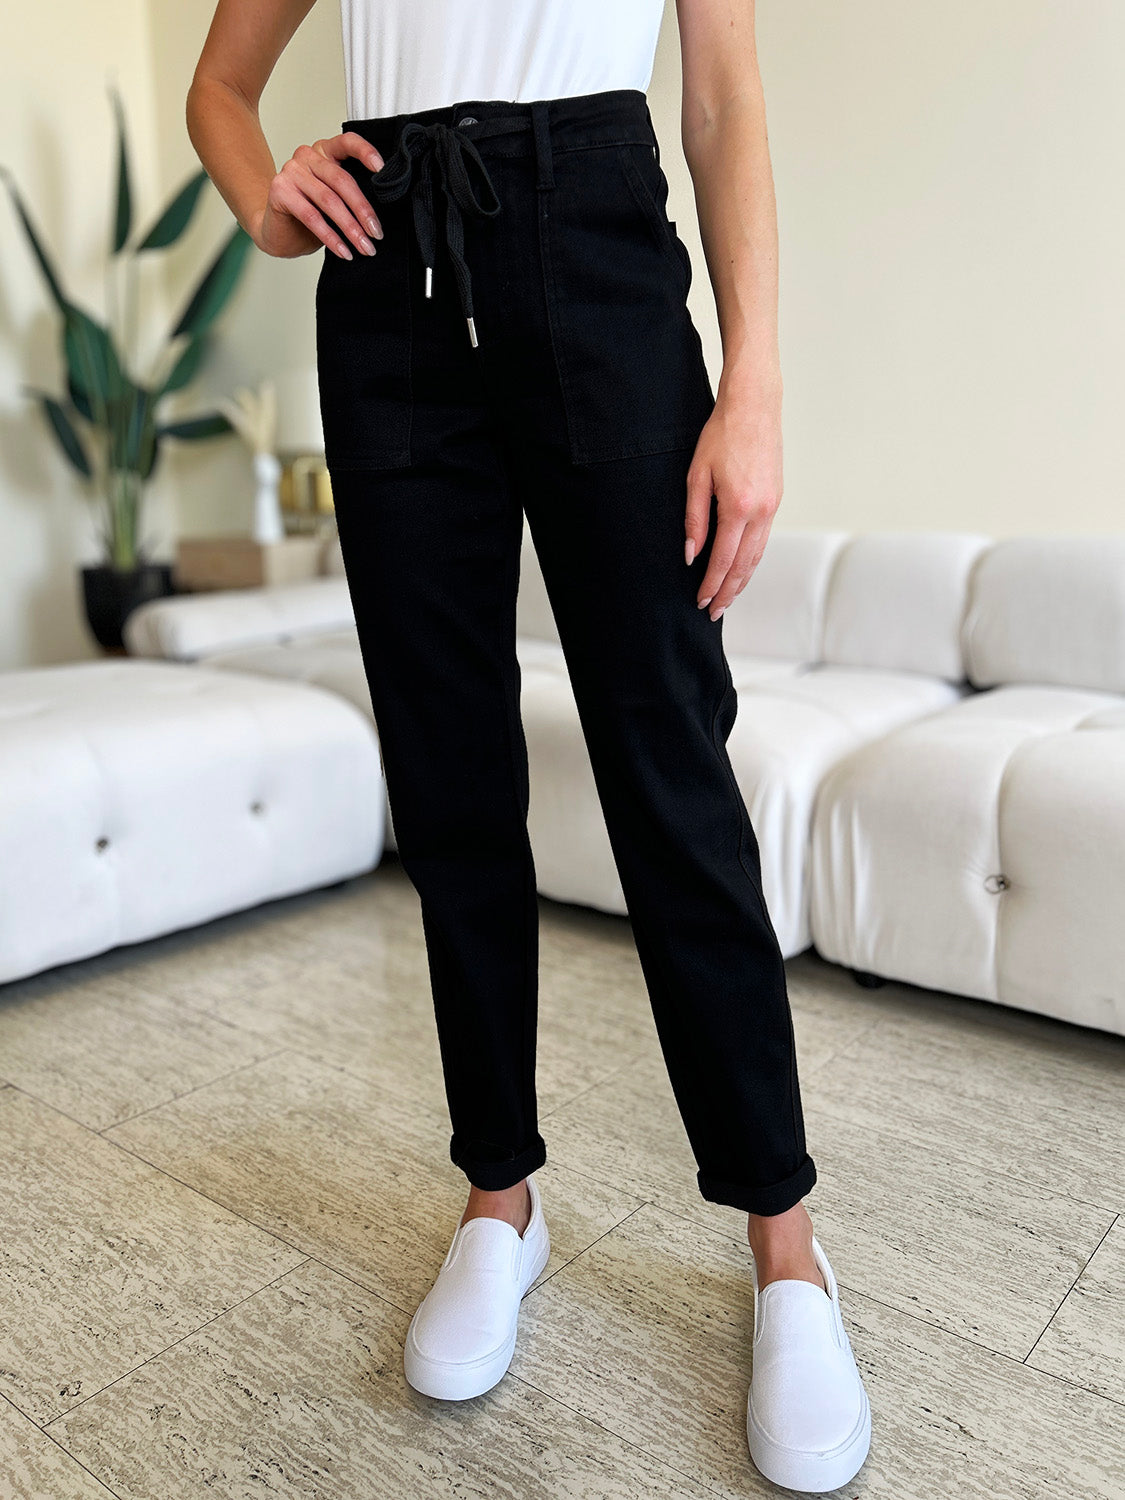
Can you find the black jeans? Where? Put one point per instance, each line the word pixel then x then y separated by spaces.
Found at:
pixel 579 404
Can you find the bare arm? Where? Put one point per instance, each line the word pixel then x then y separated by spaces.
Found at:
pixel 285 212
pixel 723 125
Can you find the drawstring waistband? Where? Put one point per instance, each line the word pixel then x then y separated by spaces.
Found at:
pixel 421 150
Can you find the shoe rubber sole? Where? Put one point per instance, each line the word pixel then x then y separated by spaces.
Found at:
pixel 461 1380
pixel 811 1473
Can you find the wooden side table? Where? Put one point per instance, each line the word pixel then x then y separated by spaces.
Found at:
pixel 239 562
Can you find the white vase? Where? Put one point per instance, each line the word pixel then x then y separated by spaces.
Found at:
pixel 268 524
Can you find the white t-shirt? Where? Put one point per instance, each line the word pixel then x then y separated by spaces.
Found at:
pixel 401 56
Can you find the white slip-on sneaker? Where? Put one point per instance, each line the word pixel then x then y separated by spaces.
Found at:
pixel 462 1337
pixel 808 1419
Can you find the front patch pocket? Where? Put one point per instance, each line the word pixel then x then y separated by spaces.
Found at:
pixel 363 355
pixel 629 357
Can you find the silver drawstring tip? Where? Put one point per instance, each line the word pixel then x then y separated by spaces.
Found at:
pixel 429 281
pixel 472 331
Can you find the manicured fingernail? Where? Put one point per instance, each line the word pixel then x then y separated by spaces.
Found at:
pixel 703 603
pixel 365 245
pixel 376 228
pixel 689 551
pixel 718 612
pixel 346 252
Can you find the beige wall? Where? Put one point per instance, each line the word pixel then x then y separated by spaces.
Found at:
pixel 952 235
pixel 56 138
pixel 953 259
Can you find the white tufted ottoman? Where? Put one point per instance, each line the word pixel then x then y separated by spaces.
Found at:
pixel 141 797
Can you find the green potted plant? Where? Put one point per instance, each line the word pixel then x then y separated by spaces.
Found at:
pixel 108 423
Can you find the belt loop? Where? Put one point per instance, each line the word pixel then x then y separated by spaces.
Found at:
pixel 544 160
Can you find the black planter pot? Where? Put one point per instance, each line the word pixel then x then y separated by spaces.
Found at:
pixel 111 594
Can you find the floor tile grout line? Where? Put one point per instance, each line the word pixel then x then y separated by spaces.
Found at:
pixel 834 1056
pixel 125 1374
pixel 100 1130
pixel 1070 1288
pixel 416 1103
pixel 962 1338
pixel 382 1089
pixel 73 1457
pixel 210 1198
pixel 553 1160
pixel 187 1093
pixel 812 1104
pixel 587 1248
pixel 281 1239
pixel 407 1312
pixel 581 1094
pixel 903 1312
pixel 353 1280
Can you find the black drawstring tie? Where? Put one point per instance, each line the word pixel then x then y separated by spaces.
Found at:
pixel 457 159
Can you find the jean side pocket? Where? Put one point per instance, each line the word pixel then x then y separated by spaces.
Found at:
pixel 629 357
pixel 363 356
pixel 649 187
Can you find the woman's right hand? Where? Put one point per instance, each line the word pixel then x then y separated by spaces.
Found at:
pixel 310 186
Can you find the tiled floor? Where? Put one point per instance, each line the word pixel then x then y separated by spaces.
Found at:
pixel 225 1183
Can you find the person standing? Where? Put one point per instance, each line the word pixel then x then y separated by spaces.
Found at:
pixel 503 334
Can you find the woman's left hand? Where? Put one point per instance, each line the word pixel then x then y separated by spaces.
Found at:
pixel 738 461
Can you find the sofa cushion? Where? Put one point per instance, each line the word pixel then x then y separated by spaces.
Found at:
pixel 1049 610
pixel 329 660
pixel 780 612
pixel 750 670
pixel 982 850
pixel 184 627
pixel 787 734
pixel 897 600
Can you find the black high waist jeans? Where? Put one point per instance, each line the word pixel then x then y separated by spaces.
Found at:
pixel 579 405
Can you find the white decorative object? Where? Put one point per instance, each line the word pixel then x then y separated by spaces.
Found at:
pixel 268 525
pixel 253 414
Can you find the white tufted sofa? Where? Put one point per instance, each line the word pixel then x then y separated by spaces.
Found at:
pixel 140 797
pixel 982 850
pixel 930 741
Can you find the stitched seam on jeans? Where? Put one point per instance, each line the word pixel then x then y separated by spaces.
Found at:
pixel 409 439
pixel 554 327
pixel 513 713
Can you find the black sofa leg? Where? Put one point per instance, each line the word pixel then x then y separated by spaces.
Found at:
pixel 868 981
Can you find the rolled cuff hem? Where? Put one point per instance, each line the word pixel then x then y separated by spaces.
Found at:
pixel 772 1199
pixel 495 1176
